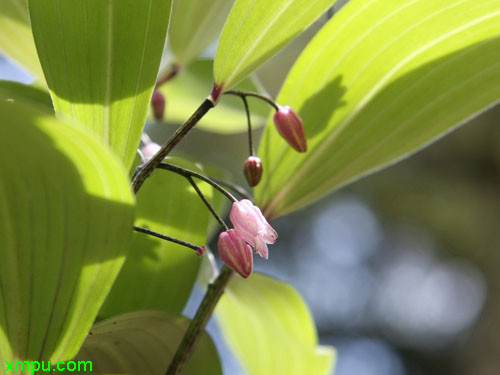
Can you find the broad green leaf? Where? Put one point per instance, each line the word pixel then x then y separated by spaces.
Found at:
pixel 16 38
pixel 381 80
pixel 14 91
pixel 157 274
pixel 66 212
pixel 194 25
pixel 143 343
pixel 100 59
pixel 255 30
pixel 185 93
pixel 270 330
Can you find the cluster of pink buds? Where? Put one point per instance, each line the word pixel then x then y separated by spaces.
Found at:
pixel 250 229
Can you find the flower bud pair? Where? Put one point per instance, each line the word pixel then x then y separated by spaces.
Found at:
pixel 250 229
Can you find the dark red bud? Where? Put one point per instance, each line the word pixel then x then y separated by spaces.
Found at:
pixel 158 103
pixel 291 128
pixel 252 169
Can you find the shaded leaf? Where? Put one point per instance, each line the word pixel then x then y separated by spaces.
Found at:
pixel 14 91
pixel 256 29
pixel 100 59
pixel 371 95
pixel 66 211
pixel 16 38
pixel 143 343
pixel 195 24
pixel 270 329
pixel 158 274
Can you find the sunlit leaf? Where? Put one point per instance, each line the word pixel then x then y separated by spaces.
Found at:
pixel 100 59
pixel 160 275
pixel 66 211
pixel 16 39
pixel 270 330
pixel 381 80
pixel 256 29
pixel 195 24
pixel 143 343
pixel 185 93
pixel 14 91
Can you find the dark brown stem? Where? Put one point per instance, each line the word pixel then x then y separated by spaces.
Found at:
pixel 236 188
pixel 250 140
pixel 180 133
pixel 197 325
pixel 187 172
pixel 167 238
pixel 243 94
pixel 207 203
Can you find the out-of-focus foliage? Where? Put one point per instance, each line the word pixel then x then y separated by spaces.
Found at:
pixel 144 343
pixel 16 39
pixel 66 212
pixel 371 95
pixel 100 65
pixel 194 25
pixel 270 329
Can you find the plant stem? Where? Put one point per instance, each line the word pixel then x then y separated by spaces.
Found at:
pixel 166 238
pixel 243 94
pixel 187 172
pixel 168 75
pixel 199 321
pixel 250 140
pixel 236 188
pixel 207 203
pixel 180 133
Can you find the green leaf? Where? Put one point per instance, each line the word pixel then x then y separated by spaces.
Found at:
pixel 143 343
pixel 185 93
pixel 100 59
pixel 16 38
pixel 66 211
pixel 269 328
pixel 195 24
pixel 159 275
pixel 380 81
pixel 256 29
pixel 14 91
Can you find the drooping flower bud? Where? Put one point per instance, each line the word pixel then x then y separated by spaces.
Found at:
pixel 149 150
pixel 235 252
pixel 252 169
pixel 290 127
pixel 253 227
pixel 201 251
pixel 158 104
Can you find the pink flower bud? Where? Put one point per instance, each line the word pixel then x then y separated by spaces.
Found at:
pixel 158 103
pixel 235 252
pixel 252 169
pixel 252 226
pixel 149 150
pixel 201 251
pixel 290 127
